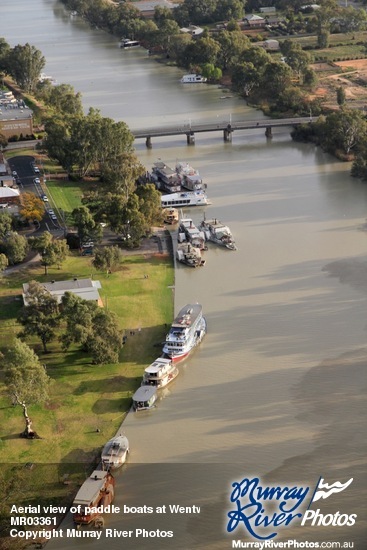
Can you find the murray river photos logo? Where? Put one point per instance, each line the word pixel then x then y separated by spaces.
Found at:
pixel 263 510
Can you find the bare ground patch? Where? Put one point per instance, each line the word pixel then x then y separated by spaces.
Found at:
pixel 350 75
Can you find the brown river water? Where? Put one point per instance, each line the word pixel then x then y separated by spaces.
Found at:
pixel 277 388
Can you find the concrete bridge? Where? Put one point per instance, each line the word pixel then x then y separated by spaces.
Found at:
pixel 227 128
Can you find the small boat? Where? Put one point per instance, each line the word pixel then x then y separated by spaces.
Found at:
pixel 165 178
pixel 189 177
pixel 193 79
pixel 144 398
pixel 97 490
pixel 186 332
pixel 218 233
pixel 188 232
pixel 126 43
pixel 160 373
pixel 115 452
pixel 189 255
pixel 47 78
pixel 180 200
pixel 170 216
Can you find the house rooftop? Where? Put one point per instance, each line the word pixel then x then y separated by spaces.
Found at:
pixel 150 5
pixel 253 17
pixel 84 288
pixel 8 192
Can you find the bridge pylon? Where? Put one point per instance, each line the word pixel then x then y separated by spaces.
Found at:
pixel 190 138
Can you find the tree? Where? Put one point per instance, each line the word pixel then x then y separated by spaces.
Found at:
pixel 167 29
pixel 3 262
pixel 40 316
pixel 91 326
pixel 259 57
pixel 58 142
pixel 198 52
pixel 87 227
pixel 3 142
pixel 26 380
pixel 150 204
pixel 177 46
pixel 340 96
pixel 343 130
pixel 232 44
pixel 324 16
pixel 62 98
pixel 161 14
pixel 4 52
pixel 25 65
pixel 15 247
pixel 134 225
pixel 245 78
pixel 299 60
pixel 32 207
pixel 323 37
pixel 229 10
pixel 107 258
pixel 5 223
pixel 53 251
pixel 78 314
pixel 276 77
pixel 105 343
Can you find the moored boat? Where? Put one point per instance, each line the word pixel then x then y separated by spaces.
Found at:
pixel 180 200
pixel 193 79
pixel 186 332
pixel 189 255
pixel 188 232
pixel 115 452
pixel 160 373
pixel 218 233
pixel 126 43
pixel 189 177
pixel 144 398
pixel 165 178
pixel 96 491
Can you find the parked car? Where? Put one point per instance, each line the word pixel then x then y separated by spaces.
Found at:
pixel 50 211
pixel 14 173
pixel 36 180
pixel 44 198
pixel 53 217
pixel 36 170
pixel 88 244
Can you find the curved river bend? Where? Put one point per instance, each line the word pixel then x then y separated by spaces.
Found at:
pixel 275 389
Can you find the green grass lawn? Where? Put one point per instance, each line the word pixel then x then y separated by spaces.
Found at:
pixel 86 397
pixel 65 195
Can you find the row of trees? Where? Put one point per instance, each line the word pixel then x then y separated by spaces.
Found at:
pixel 124 19
pixel 342 133
pixel 93 145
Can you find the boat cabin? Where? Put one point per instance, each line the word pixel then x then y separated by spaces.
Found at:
pixel 159 373
pixel 126 43
pixel 170 216
pixel 97 490
pixel 144 398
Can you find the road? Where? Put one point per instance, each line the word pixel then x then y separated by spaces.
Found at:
pixel 26 168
